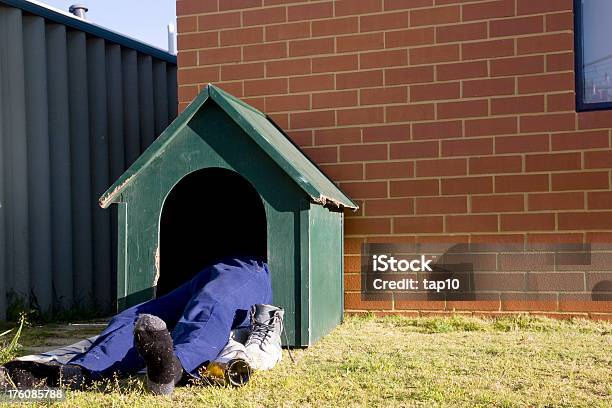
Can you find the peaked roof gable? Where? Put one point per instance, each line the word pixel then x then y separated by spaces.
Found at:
pixel 269 137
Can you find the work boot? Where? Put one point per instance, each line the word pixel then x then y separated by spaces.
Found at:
pixel 71 376
pixel 154 344
pixel 27 374
pixel 263 347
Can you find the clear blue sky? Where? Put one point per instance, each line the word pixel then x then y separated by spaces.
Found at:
pixel 143 20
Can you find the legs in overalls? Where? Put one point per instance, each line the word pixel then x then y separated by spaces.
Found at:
pixel 199 314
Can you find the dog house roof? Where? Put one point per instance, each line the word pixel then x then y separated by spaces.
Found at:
pixel 269 137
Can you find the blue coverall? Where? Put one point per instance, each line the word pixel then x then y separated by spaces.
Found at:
pixel 199 314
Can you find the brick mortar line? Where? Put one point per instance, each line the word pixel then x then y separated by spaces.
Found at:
pixel 489 195
pixel 503 37
pixel 488 155
pixel 488 37
pixel 379 50
pixel 364 237
pixel 386 87
pixel 305 3
pixel 382 11
pixel 343 35
pixel 527 211
pixel 381 124
pixel 398 104
pixel 405 123
pixel 415 46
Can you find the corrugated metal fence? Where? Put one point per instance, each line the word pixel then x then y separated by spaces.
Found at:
pixel 75 110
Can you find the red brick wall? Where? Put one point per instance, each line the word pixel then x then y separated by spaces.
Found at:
pixel 446 120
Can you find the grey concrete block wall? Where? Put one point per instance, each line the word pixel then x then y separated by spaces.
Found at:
pixel 76 109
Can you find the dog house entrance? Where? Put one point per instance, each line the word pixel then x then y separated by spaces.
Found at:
pixel 210 214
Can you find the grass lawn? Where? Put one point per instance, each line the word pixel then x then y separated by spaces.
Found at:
pixel 397 361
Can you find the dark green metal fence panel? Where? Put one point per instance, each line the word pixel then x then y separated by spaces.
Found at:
pixel 160 97
pixel 115 108
pixel 39 205
pixel 61 191
pixel 145 100
pixel 15 151
pixel 172 92
pixel 114 105
pixel 80 177
pixel 131 116
pixel 100 164
pixel 73 98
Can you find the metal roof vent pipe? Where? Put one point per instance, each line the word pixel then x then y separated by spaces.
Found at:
pixel 171 39
pixel 79 10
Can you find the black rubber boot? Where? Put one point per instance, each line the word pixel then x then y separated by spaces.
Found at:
pixel 72 376
pixel 32 374
pixel 154 344
pixel 27 374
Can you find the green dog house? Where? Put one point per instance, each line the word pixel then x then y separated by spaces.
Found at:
pixel 223 179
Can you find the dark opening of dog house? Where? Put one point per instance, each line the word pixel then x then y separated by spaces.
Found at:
pixel 209 215
pixel 224 180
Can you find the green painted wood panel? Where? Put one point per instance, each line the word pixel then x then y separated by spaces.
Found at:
pixel 122 230
pixel 304 294
pixel 326 275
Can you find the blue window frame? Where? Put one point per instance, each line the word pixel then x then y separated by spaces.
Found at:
pixel 593 51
